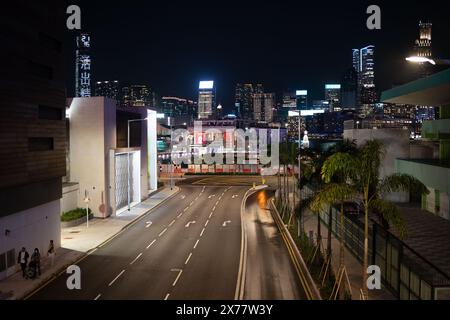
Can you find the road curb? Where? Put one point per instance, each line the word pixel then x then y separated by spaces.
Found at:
pixel 311 290
pixel 59 272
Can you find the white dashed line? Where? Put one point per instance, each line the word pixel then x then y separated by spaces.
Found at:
pixel 162 232
pixel 195 245
pixel 191 203
pixel 188 258
pixel 111 283
pixel 167 296
pixel 98 297
pixel 214 208
pixel 178 277
pixel 201 233
pixel 210 215
pixel 173 221
pixel 217 203
pixel 179 216
pixel 185 209
pixel 206 223
pixel 151 243
pixel 139 255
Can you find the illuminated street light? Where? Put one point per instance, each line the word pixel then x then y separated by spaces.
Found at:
pixel 417 59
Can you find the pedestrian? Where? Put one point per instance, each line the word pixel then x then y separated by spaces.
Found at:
pixel 23 261
pixel 51 252
pixel 36 259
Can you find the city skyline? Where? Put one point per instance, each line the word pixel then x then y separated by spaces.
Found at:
pixel 181 64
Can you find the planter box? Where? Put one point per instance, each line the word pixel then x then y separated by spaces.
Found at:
pixel 73 223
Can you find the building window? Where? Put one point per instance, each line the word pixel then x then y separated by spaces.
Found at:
pixel 49 113
pixel 2 262
pixel 40 70
pixel 50 42
pixel 40 144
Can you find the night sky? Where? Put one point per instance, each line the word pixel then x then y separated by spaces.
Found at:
pixel 299 45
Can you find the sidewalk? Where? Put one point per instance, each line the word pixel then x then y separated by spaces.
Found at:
pixel 353 266
pixel 76 242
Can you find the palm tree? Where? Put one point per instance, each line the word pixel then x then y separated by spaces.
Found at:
pixel 361 171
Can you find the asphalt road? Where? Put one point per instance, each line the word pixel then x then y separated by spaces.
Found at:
pixel 191 250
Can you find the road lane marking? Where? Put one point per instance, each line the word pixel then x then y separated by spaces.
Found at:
pixel 196 243
pixel 111 283
pixel 167 296
pixel 180 271
pixel 185 209
pixel 179 216
pixel 189 223
pixel 217 203
pixel 214 208
pixel 206 223
pixel 148 224
pixel 201 233
pixel 234 196
pixel 171 224
pixel 191 203
pixel 139 255
pixel 211 196
pixel 162 232
pixel 188 258
pixel 210 215
pixel 151 243
pixel 98 296
pixel 224 224
pixel 183 197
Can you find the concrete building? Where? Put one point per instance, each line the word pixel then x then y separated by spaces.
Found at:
pixel 32 128
pixel 112 155
pixel 434 172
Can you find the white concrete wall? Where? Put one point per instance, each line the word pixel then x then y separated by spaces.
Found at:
pixel 92 135
pixel 32 228
pixel 396 142
pixel 69 201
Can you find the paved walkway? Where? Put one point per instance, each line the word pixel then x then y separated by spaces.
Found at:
pixel 76 242
pixel 353 266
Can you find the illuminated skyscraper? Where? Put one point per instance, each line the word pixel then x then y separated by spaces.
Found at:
pixel 244 101
pixel 83 66
pixel 109 89
pixel 263 106
pixel 301 99
pixel 206 99
pixel 364 64
pixel 137 96
pixel 332 95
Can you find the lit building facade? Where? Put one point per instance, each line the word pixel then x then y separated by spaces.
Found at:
pixel 364 64
pixel 301 99
pixel 83 66
pixel 137 95
pixel 263 106
pixel 206 99
pixel 333 96
pixel 180 111
pixel 109 89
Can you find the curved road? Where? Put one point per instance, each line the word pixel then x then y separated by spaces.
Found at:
pixel 190 251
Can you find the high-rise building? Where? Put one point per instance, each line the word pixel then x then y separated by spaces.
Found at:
pixel 349 89
pixel 301 99
pixel 137 95
pixel 244 101
pixel 32 128
pixel 83 66
pixel 364 64
pixel 206 99
pixel 263 107
pixel 109 89
pixel 181 111
pixel 422 53
pixel 332 95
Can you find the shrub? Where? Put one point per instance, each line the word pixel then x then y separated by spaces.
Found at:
pixel 74 214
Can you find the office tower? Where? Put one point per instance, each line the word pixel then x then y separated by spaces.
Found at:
pixel 181 111
pixel 83 66
pixel 206 99
pixel 263 107
pixel 332 95
pixel 137 96
pixel 349 89
pixel 301 99
pixel 364 64
pixel 109 89
pixel 244 101
pixel 422 52
pixel 32 128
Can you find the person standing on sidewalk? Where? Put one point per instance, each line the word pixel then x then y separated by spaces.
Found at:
pixel 51 252
pixel 23 261
pixel 36 259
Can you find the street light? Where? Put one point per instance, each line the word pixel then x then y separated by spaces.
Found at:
pixel 417 59
pixel 128 158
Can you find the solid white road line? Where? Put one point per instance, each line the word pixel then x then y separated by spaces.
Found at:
pixel 167 296
pixel 195 245
pixel 162 232
pixel 201 233
pixel 173 221
pixel 135 259
pixel 151 243
pixel 178 277
pixel 189 257
pixel 111 283
pixel 98 296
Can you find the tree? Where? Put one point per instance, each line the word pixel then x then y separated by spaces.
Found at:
pixel 361 171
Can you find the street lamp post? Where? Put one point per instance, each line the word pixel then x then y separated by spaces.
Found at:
pixel 128 160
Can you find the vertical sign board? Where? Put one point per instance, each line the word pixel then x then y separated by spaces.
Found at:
pixel 83 66
pixel 152 149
